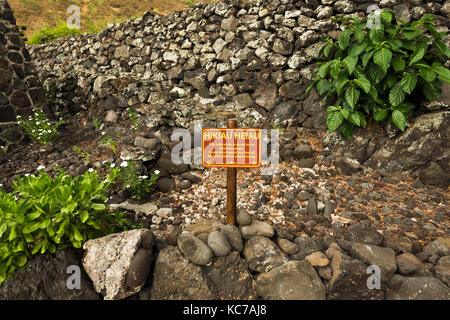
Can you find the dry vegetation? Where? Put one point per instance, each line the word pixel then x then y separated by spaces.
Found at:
pixel 95 14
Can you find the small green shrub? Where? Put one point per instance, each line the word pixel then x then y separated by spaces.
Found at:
pixel 39 127
pixel 381 72
pixel 45 214
pixel 134 117
pixel 83 155
pixel 47 34
pixel 109 142
pixel 138 185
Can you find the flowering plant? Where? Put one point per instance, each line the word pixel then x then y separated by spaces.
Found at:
pixel 39 127
pixel 138 185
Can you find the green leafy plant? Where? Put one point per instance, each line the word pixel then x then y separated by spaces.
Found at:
pixel 39 127
pixel 134 117
pixel 48 34
pixel 96 122
pixel 138 185
pixel 44 214
pixel 50 91
pixel 84 155
pixel 109 142
pixel 381 72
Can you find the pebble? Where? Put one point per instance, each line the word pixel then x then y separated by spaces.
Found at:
pixel 287 246
pixel 194 249
pixel 234 237
pixel 219 244
pixel 317 259
pixel 257 228
pixel 243 218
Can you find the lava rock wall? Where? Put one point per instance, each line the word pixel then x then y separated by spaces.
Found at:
pixel 20 90
pixel 256 55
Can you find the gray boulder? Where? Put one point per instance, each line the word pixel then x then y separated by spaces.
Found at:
pixel 219 244
pixel 176 278
pixel 120 263
pixel 295 280
pixel 417 288
pixel 257 228
pixel 194 249
pixel 262 254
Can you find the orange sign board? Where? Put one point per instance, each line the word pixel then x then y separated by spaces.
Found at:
pixel 231 148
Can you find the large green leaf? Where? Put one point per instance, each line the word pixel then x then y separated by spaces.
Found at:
pixel 386 16
pixel 427 75
pixel 357 49
pixel 322 86
pixel 398 64
pixel 350 63
pixel 327 49
pixel 396 95
pixel 98 206
pixel 430 91
pixel 336 69
pixel 442 73
pixel 340 83
pixel 344 38
pixel 346 129
pixel 21 259
pixel 381 114
pixel 359 35
pixel 363 83
pixel 417 56
pixel 408 82
pixel 354 118
pixel 352 95
pixel 366 57
pixel 383 58
pixel 442 47
pixel 399 119
pixel 334 120
pixel 323 69
pixel 376 34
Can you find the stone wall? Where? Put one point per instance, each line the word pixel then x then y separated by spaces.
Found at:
pixel 20 90
pixel 255 54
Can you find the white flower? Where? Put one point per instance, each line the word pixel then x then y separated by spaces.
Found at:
pixel 27 174
pixel 112 165
pixel 128 158
pixel 18 117
pixel 127 186
pixel 40 168
pixel 144 177
pixel 124 164
pixel 105 162
pixel 91 170
pixel 1 185
pixel 106 181
pixel 103 133
pixel 156 171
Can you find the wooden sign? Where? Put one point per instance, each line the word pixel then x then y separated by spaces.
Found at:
pixel 231 148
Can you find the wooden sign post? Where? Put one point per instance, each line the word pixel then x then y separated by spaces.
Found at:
pixel 231 185
pixel 231 148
